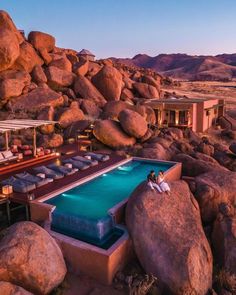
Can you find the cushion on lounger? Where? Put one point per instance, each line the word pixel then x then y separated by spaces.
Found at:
pixel 7 154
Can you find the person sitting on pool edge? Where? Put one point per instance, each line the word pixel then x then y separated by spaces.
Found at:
pixel 151 181
pixel 164 186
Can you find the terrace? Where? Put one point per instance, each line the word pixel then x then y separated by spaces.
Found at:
pixel 96 231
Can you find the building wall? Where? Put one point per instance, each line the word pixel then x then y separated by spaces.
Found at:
pixel 208 120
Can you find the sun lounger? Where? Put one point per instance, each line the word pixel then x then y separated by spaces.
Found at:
pixel 19 186
pixel 98 157
pixel 7 156
pixel 38 181
pixel 49 172
pixel 64 170
pixel 76 164
pixel 86 161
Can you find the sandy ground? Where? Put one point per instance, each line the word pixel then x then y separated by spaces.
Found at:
pixel 205 89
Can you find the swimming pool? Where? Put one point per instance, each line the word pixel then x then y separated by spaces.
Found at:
pixel 83 211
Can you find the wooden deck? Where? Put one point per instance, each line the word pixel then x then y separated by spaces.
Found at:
pixel 66 152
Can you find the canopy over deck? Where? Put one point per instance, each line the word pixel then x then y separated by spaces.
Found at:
pixel 8 126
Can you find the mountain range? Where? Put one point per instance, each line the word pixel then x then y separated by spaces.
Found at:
pixel 221 67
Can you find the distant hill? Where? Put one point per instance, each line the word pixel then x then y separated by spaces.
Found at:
pixel 187 67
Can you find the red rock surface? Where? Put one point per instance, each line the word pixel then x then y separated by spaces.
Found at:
pixel 162 230
pixel 110 133
pixel 7 23
pixel 9 49
pixel 41 41
pixel 10 289
pixel 59 78
pixel 31 258
pixel 85 89
pixel 146 91
pixel 109 82
pixel 71 115
pixel 36 99
pixel 133 123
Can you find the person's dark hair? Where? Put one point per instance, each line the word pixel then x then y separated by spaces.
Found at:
pixel 152 171
pixel 162 171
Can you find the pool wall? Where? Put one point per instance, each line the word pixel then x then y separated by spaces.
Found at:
pixel 83 258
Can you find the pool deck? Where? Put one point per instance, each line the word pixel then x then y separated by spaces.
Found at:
pixel 40 192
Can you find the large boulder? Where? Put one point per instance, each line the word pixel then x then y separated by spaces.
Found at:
pixel 212 189
pixel 7 23
pixel 38 75
pixel 59 78
pixel 112 109
pixel 162 228
pixel 9 49
pixel 146 91
pixel 151 81
pixel 12 83
pixel 81 67
pixel 85 89
pixel 10 289
pixel 224 238
pixel 62 63
pixel 36 99
pixel 227 122
pixel 31 258
pixel 110 133
pixel 27 59
pixel 126 95
pixel 71 115
pixel 109 82
pixel 90 108
pixel 133 123
pixel 156 152
pixel 47 114
pixel 194 167
pixel 41 41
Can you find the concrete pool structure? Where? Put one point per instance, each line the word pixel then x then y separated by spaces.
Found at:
pixel 84 257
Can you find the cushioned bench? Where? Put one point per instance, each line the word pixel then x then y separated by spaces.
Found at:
pixel 7 156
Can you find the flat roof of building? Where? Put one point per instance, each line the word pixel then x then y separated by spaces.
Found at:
pixel 20 124
pixel 178 100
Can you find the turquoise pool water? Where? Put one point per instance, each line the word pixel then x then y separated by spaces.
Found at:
pixel 94 198
pixel 82 212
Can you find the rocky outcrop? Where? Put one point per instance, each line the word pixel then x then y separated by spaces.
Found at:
pixel 212 189
pixel 90 108
pixel 133 123
pixel 85 89
pixel 59 78
pixel 193 167
pixel 7 23
pixel 156 152
pixel 41 41
pixel 71 115
pixel 62 63
pixel 36 99
pixel 27 59
pixel 224 238
pixel 165 244
pixel 146 91
pixel 31 258
pixel 10 289
pixel 47 114
pixel 81 68
pixel 112 109
pixel 110 133
pixel 109 82
pixel 12 83
pixel 38 75
pixel 9 49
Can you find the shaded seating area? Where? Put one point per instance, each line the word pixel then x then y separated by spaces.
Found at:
pixel 19 151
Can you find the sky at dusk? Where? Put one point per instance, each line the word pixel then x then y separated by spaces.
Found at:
pixel 123 28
